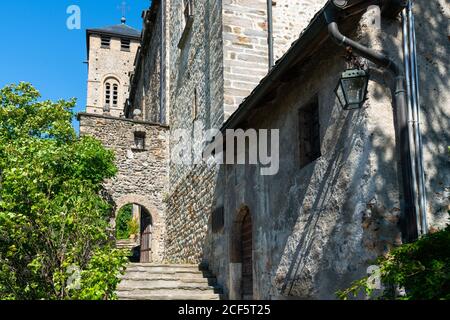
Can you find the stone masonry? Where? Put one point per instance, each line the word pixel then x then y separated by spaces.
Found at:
pixel 108 63
pixel 315 228
pixel 142 176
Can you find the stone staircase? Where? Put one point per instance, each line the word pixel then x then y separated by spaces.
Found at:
pixel 167 282
pixel 126 244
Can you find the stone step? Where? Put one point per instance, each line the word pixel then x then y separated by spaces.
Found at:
pixel 153 265
pixel 142 275
pixel 180 290
pixel 148 296
pixel 163 269
pixel 167 282
pixel 167 295
pixel 199 284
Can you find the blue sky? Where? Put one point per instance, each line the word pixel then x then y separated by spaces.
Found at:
pixel 37 46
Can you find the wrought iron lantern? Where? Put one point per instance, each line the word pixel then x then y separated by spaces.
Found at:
pixel 352 89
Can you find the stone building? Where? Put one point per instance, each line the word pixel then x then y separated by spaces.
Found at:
pixel 337 201
pixel 140 146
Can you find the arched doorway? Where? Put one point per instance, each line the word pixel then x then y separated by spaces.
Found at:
pixel 241 259
pixel 134 231
pixel 150 226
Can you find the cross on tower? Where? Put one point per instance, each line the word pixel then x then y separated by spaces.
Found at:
pixel 124 7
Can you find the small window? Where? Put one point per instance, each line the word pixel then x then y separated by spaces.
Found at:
pixel 107 97
pixel 139 140
pixel 195 106
pixel 309 134
pixel 218 219
pixel 115 94
pixel 125 44
pixel 106 42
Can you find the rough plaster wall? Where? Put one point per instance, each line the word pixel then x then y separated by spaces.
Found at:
pixel 196 67
pixel 108 62
pixel 142 175
pixel 315 227
pixel 318 228
pixel 433 49
pixel 290 18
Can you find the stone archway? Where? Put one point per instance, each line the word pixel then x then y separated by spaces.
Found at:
pixel 156 222
pixel 241 255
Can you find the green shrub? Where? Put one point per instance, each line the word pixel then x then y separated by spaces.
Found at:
pixel 52 217
pixel 124 217
pixel 421 268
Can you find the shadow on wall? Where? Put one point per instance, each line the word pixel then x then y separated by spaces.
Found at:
pixel 325 252
pixel 378 222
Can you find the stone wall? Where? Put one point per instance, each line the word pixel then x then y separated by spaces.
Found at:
pixel 245 49
pixel 318 228
pixel 104 63
pixel 196 99
pixel 148 73
pixel 152 73
pixel 143 174
pixel 290 18
pixel 213 66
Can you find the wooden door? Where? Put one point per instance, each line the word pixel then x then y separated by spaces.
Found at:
pixel 247 258
pixel 146 237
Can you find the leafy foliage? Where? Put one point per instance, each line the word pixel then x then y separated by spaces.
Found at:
pixel 422 268
pixel 123 221
pixel 52 217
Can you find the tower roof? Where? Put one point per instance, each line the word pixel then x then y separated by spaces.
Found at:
pixel 121 30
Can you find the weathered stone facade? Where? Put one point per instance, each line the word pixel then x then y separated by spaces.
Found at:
pixel 245 49
pixel 213 65
pixel 315 228
pixel 318 228
pixel 142 175
pixel 146 80
pixel 196 97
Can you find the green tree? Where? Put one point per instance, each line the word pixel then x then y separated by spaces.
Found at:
pixel 53 222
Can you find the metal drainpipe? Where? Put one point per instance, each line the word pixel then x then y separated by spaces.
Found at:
pixel 410 99
pixel 416 123
pixel 162 70
pixel 408 219
pixel 270 33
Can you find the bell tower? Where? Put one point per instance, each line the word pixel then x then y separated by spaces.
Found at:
pixel 111 52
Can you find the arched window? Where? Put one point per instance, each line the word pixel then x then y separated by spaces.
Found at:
pixel 111 91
